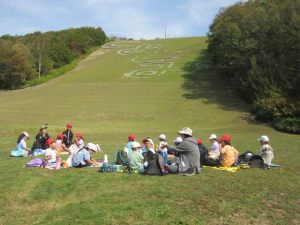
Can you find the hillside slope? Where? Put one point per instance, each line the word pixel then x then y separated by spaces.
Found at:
pixel 145 88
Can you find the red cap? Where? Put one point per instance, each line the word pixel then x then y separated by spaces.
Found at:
pixel 50 141
pixel 79 135
pixel 199 142
pixel 131 137
pixel 69 125
pixel 60 136
pixel 225 138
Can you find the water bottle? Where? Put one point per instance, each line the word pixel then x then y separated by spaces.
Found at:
pixel 105 158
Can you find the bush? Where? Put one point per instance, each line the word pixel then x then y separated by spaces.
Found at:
pixel 289 125
pixel 282 112
pixel 272 108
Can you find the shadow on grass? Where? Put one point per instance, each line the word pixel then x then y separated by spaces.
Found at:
pixel 203 82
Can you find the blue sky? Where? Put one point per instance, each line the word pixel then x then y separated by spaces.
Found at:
pixel 128 18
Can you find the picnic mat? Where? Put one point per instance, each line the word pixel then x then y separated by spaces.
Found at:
pixel 228 169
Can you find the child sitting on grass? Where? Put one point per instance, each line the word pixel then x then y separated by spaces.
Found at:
pixel 148 146
pixel 128 146
pixel 22 149
pixel 229 154
pixel 214 151
pixel 82 157
pixel 78 143
pixel 162 150
pixel 266 152
pixel 60 146
pixel 135 158
pixel 51 155
pixel 68 135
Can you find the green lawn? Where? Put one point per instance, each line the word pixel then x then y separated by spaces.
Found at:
pixel 150 87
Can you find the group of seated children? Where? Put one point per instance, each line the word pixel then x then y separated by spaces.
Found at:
pixel 189 155
pixel 186 157
pixel 52 149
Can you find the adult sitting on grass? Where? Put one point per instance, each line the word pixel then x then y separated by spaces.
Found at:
pixel 22 149
pixel 188 153
pixel 39 145
pixel 82 157
pixel 229 154
pixel 135 158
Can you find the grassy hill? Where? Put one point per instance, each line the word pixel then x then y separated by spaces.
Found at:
pixel 145 88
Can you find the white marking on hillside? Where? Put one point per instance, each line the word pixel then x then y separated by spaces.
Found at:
pixel 151 59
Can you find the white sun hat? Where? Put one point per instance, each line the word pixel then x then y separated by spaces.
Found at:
pixel 150 140
pixel 177 140
pixel 162 136
pixel 186 130
pixel 94 147
pixel 263 138
pixel 136 144
pixel 212 136
pixel 25 133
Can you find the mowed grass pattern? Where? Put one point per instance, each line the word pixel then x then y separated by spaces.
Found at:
pixel 106 106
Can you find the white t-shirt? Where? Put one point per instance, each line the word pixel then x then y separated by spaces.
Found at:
pixel 51 152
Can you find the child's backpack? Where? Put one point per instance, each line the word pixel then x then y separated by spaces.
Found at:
pixel 37 162
pixel 256 161
pixel 245 157
pixel 155 164
pixel 121 158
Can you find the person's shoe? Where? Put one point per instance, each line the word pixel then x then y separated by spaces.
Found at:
pixel 187 174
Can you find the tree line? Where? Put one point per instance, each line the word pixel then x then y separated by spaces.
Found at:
pixel 24 58
pixel 256 46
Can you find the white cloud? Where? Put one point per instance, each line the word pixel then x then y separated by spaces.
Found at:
pixel 130 18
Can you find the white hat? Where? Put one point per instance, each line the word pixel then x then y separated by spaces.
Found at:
pixel 186 130
pixel 162 136
pixel 212 136
pixel 263 138
pixel 93 147
pixel 25 133
pixel 177 140
pixel 136 144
